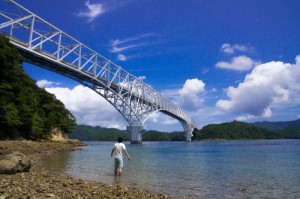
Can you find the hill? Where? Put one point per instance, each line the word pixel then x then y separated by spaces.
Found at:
pixel 27 111
pixel 226 131
pixel 90 133
pixel 234 131
pixel 289 129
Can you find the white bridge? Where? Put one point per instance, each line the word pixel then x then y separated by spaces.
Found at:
pixel 44 45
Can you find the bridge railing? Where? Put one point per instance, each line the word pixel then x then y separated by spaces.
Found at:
pixel 30 32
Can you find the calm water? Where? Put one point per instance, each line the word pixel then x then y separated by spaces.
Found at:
pixel 220 169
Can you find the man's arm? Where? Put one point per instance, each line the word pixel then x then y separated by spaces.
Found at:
pixel 112 152
pixel 126 153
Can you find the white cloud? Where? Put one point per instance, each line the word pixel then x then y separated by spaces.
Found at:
pixel 267 86
pixel 131 43
pixel 192 86
pixel 93 11
pixel 161 118
pixel 231 49
pixel 117 49
pixel 162 122
pixel 240 63
pixel 189 97
pixel 121 57
pixel 89 107
pixel 117 42
pixel 141 77
pixel 45 83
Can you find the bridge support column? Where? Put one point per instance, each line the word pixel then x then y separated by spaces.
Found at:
pixel 188 137
pixel 136 133
pixel 188 130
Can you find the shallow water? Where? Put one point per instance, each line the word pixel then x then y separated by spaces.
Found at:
pixel 214 169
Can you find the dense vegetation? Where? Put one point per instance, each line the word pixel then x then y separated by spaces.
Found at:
pixel 160 136
pixel 26 111
pixel 290 129
pixel 234 131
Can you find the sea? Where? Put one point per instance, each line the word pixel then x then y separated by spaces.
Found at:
pixel 205 169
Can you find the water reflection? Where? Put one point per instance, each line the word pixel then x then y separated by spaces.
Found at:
pixel 58 162
pixel 117 180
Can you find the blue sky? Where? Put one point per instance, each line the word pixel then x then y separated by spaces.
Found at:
pixel 220 60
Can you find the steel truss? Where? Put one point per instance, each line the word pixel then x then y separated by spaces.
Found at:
pixel 44 45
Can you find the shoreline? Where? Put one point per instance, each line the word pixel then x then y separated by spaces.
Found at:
pixel 40 183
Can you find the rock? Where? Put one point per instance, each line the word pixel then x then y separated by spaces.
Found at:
pixel 14 163
pixel 243 190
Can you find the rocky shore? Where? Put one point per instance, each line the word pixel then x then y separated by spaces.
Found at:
pixel 39 183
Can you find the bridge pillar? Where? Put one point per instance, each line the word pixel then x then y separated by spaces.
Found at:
pixel 188 128
pixel 136 133
pixel 189 137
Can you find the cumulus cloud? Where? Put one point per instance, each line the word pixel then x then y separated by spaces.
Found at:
pixel 45 83
pixel 267 86
pixel 240 63
pixel 158 117
pixel 231 49
pixel 162 122
pixel 189 97
pixel 89 107
pixel 93 11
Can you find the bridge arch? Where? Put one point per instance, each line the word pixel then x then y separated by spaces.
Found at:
pixel 44 45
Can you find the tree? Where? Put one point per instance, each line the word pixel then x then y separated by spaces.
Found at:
pixel 26 110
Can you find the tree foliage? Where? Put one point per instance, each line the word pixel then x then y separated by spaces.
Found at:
pixel 26 111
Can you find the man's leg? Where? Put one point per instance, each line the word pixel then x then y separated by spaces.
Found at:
pixel 119 171
pixel 120 167
pixel 117 164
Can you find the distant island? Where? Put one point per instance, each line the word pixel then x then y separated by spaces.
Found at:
pixel 234 130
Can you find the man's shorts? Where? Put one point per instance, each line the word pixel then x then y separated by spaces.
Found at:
pixel 118 163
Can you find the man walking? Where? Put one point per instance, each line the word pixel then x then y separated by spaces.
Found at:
pixel 118 149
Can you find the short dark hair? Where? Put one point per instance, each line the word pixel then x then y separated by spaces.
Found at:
pixel 120 139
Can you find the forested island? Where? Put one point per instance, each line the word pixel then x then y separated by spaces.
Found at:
pixel 27 111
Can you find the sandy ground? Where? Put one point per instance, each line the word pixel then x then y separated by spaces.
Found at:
pixel 39 183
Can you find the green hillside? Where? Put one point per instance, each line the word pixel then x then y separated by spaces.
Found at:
pixel 235 131
pixel 277 126
pixel 26 111
pixel 289 129
pixel 90 133
pixel 161 136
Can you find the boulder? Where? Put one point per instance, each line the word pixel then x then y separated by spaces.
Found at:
pixel 14 163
